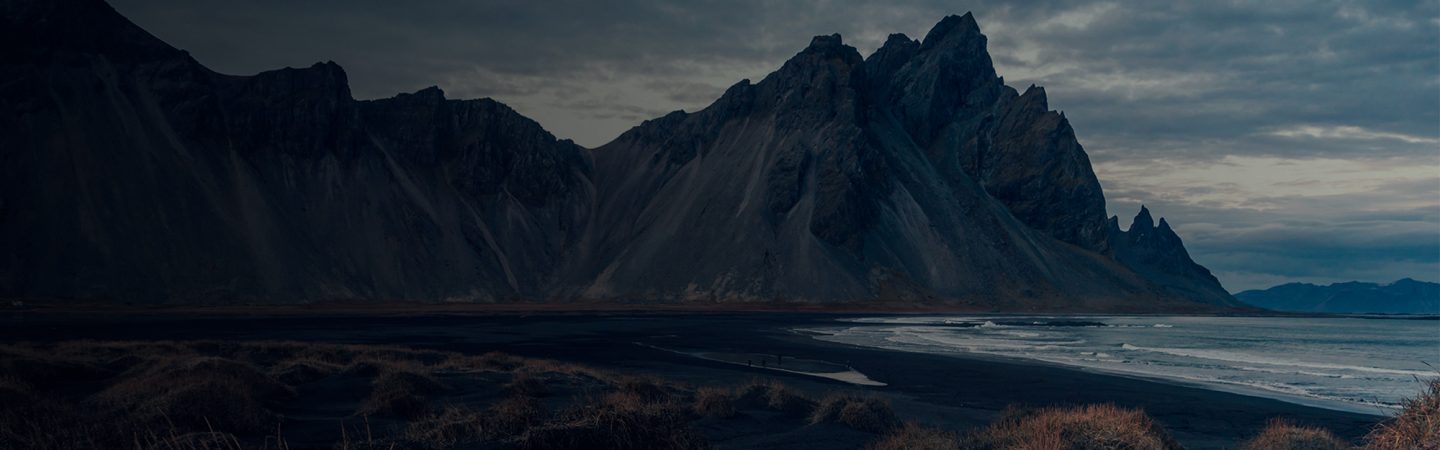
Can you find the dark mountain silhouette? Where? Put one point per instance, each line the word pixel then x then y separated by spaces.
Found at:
pixel 133 173
pixel 1405 296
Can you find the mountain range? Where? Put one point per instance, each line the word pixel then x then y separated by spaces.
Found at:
pixel 129 172
pixel 1405 296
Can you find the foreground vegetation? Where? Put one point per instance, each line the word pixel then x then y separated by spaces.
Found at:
pixel 221 395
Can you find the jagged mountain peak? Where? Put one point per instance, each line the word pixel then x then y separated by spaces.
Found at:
pixel 953 31
pixel 824 42
pixel 1035 98
pixel 1159 254
pixel 1143 221
pixel 897 49
pixel 896 40
pixel 889 58
pixel 823 50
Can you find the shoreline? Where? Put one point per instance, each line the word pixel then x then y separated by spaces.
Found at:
pixel 954 392
pixel 1373 408
pixel 1376 410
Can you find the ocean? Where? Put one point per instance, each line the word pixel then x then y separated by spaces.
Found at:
pixel 1355 364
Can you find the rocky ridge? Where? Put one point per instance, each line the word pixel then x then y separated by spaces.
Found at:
pixel 915 176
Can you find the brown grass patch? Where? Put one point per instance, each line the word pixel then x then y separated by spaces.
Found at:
pixel 714 402
pixel 297 371
pixel 1416 427
pixel 503 421
pixel 451 427
pixel 619 420
pixel 774 396
pixel 649 389
pixel 400 393
pixel 48 370
pixel 27 419
pixel 526 384
pixel 916 437
pixel 1283 435
pixel 193 394
pixel 512 416
pixel 861 413
pixel 1092 427
pixel 200 393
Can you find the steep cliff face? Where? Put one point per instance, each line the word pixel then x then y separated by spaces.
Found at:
pixel 129 172
pixel 948 98
pixel 914 175
pixel 133 173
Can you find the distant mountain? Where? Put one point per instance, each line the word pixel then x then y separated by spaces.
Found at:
pixel 130 172
pixel 1405 296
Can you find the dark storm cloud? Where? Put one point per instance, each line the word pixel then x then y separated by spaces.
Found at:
pixel 1157 91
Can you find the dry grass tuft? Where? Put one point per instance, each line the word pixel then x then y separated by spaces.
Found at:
pixel 27 419
pixel 916 437
pixel 861 413
pixel 526 384
pixel 1092 427
pixel 182 395
pixel 400 393
pixel 370 366
pixel 774 396
pixel 461 426
pixel 197 393
pixel 512 416
pixel 1417 426
pixel 199 440
pixel 1283 435
pixel 619 420
pixel 714 402
pixel 452 427
pixel 648 388
pixel 297 371
pixel 47 370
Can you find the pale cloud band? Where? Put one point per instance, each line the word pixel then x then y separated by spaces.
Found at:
pixel 1348 132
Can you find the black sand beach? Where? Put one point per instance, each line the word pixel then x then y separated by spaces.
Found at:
pixel 944 391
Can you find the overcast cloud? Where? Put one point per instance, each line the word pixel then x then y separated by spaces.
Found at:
pixel 1285 141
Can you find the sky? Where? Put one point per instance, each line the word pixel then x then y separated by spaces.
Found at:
pixel 1284 141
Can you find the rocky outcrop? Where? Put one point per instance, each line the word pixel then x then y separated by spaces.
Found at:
pixel 1155 252
pixel 130 172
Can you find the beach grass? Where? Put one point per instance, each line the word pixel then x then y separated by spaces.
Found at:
pixel 1090 427
pixel 1283 435
pixel 224 395
pixel 1417 426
